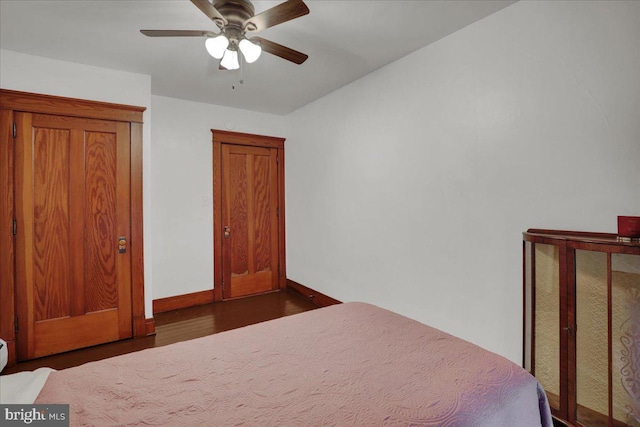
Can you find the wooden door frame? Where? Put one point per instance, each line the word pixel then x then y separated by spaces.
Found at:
pixel 227 137
pixel 11 101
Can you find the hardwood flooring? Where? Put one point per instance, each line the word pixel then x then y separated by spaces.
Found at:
pixel 182 325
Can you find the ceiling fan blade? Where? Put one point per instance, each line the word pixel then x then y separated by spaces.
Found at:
pixel 212 13
pixel 291 9
pixel 178 33
pixel 281 51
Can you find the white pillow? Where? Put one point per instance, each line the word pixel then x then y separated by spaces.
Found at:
pixel 4 354
pixel 23 387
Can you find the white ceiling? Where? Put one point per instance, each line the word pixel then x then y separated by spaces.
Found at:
pixel 345 40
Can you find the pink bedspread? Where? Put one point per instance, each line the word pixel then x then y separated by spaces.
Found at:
pixel 351 364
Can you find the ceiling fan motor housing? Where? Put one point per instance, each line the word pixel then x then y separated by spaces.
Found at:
pixel 235 11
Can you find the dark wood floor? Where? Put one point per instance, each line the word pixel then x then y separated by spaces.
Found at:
pixel 182 325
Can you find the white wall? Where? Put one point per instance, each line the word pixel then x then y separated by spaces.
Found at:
pixel 36 74
pixel 182 190
pixel 410 188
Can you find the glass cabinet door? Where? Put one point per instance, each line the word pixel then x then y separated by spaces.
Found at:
pixel 607 339
pixel 546 325
pixel 625 340
pixel 592 354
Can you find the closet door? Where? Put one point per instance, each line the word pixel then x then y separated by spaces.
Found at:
pixel 249 212
pixel 73 267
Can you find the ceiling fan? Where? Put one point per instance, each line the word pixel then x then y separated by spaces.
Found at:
pixel 236 19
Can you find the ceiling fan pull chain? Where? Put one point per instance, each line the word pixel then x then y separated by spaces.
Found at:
pixel 241 81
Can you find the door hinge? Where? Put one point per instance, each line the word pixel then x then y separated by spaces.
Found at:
pixel 15 130
pixel 14 227
pixel 277 158
pixel 15 324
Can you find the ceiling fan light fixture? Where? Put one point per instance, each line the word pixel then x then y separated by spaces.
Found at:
pixel 216 46
pixel 230 60
pixel 235 19
pixel 251 51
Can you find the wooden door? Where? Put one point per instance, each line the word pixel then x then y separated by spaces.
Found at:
pixel 250 200
pixel 72 193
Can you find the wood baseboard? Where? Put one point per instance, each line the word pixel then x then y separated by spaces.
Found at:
pixel 150 326
pixel 139 327
pixel 182 301
pixel 315 297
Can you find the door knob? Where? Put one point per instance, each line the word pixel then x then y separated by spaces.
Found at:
pixel 227 231
pixel 122 244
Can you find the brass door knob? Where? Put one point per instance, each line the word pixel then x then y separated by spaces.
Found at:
pixel 122 245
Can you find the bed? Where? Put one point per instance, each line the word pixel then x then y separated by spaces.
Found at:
pixel 350 364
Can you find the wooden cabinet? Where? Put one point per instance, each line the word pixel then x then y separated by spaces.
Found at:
pixel 582 324
pixel 71 243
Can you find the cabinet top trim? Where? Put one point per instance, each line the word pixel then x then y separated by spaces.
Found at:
pixel 580 237
pixel 49 104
